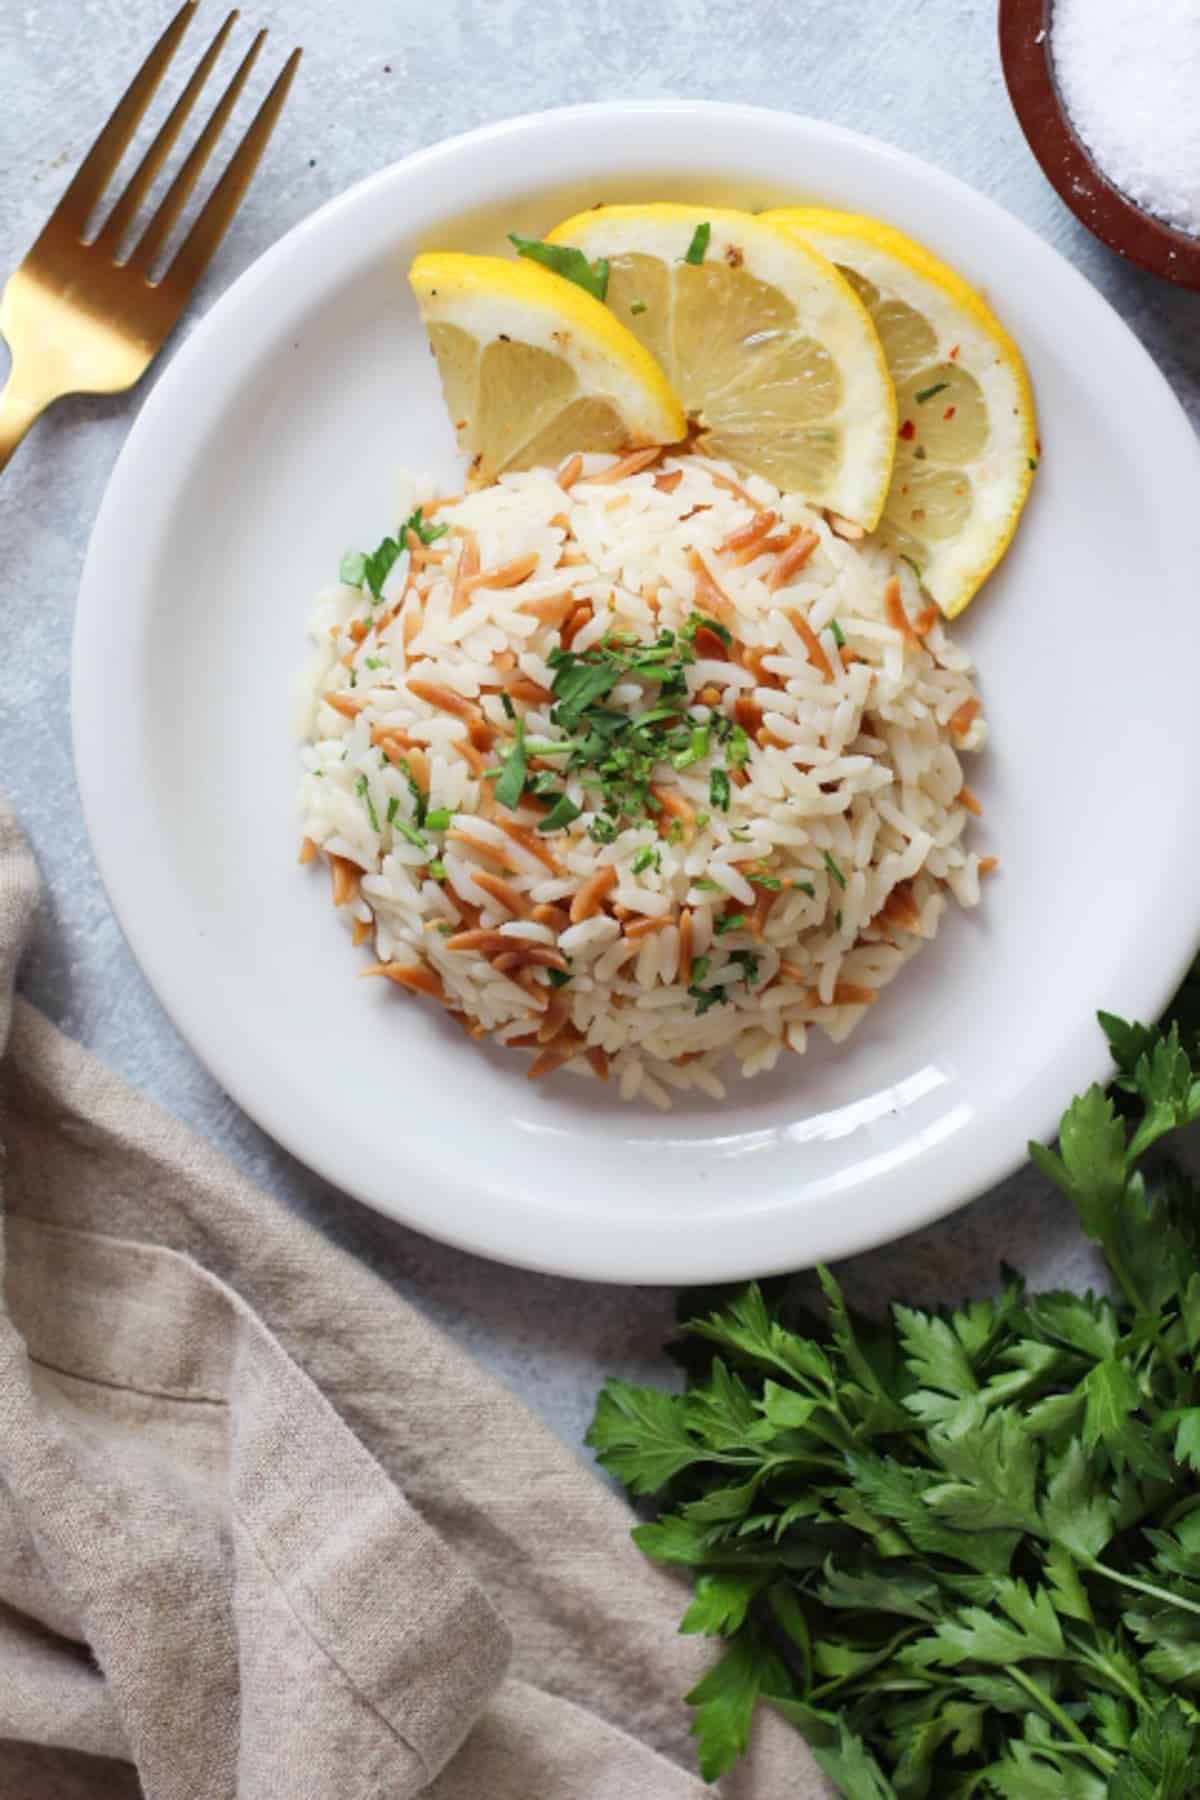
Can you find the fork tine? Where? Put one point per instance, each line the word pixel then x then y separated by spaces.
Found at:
pixel 193 255
pixel 96 170
pixel 177 195
pixel 138 186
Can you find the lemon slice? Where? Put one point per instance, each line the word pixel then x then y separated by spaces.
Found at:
pixel 967 444
pixel 770 351
pixel 533 368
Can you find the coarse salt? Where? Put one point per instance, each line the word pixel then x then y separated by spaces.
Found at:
pixel 1129 74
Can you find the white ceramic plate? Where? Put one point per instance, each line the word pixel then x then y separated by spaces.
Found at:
pixel 273 443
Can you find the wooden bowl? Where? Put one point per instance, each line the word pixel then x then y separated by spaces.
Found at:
pixel 1115 219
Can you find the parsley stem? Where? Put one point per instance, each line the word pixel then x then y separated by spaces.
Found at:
pixel 1099 1759
pixel 1111 1669
pixel 1143 1587
pixel 1121 1271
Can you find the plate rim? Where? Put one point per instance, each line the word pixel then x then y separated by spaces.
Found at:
pixel 472 1227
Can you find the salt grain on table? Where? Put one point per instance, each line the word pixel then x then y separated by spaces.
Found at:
pixel 1129 73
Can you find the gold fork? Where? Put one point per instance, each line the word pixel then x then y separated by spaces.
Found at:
pixel 77 320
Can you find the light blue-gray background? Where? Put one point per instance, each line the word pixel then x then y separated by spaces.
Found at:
pixel 382 78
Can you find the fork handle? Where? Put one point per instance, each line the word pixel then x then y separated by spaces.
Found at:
pixel 18 410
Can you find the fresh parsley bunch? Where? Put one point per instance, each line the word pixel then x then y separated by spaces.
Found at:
pixel 960 1551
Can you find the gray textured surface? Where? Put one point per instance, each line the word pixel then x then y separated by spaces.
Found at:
pixel 382 78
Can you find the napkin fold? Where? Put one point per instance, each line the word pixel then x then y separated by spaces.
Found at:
pixel 264 1532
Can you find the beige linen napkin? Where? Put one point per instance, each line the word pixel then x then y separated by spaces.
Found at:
pixel 264 1533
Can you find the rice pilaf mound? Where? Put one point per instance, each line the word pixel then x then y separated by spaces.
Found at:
pixel 636 764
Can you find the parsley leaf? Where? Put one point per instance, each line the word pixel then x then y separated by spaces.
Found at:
pixel 566 261
pixel 415 522
pixel 374 568
pixel 645 1436
pixel 749 964
pixel 718 790
pixel 560 815
pixel 379 564
pixel 725 1699
pixel 511 783
pixel 833 869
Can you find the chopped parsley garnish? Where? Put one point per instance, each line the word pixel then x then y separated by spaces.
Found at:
pixel 374 662
pixel 833 869
pixel 558 977
pixel 1033 462
pixel 613 751
pixel 511 783
pixel 737 749
pixel 675 832
pixel 374 568
pixel 707 997
pixel 566 261
pixel 804 887
pixel 696 621
pixel 697 747
pixel 730 922
pixel 706 886
pixel 365 794
pixel 580 683
pixel 393 807
pixel 636 307
pixel 378 565
pixel 411 833
pixel 766 881
pixel 428 534
pixel 698 248
pixel 924 394
pixel 438 819
pixel 560 815
pixel 700 967
pixel 839 636
pixel 437 869
pixel 718 789
pixel 444 925
pixel 646 858
pixel 838 918
pixel 749 965
pixel 418 797
pixel 506 702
